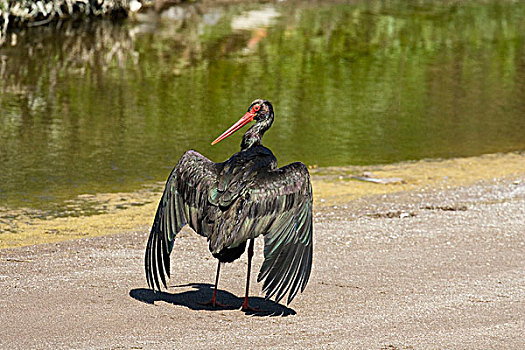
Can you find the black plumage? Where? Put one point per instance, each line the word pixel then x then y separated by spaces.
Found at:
pixel 235 201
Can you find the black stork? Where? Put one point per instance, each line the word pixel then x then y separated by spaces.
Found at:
pixel 235 201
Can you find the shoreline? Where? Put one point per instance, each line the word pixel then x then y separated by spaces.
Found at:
pixel 134 211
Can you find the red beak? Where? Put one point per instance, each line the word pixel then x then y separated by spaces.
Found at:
pixel 248 117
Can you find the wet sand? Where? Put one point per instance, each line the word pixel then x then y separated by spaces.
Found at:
pixel 433 261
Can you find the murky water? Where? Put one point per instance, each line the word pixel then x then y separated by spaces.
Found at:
pixel 110 107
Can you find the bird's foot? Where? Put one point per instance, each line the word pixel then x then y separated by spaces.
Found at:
pixel 213 302
pixel 246 307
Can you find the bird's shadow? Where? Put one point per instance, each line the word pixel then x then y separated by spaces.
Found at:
pixel 202 292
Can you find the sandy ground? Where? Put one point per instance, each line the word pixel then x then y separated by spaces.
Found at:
pixel 416 269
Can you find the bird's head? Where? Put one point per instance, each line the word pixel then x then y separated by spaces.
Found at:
pixel 259 110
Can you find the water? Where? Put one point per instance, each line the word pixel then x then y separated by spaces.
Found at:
pixel 103 106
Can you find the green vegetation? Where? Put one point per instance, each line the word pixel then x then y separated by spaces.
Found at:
pixel 21 13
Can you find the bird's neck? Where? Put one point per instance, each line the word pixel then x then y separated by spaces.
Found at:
pixel 253 137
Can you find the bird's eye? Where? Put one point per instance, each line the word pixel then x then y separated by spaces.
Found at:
pixel 256 108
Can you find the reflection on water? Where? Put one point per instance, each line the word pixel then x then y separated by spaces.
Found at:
pixel 103 106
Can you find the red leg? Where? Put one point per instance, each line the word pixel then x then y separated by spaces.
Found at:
pixel 213 302
pixel 245 306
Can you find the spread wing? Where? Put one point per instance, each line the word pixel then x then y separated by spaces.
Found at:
pixel 184 201
pixel 279 206
pixel 275 203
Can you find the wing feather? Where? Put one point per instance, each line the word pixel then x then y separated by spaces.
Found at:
pixel 184 201
pixel 283 199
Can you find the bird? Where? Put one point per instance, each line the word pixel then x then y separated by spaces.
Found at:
pixel 236 201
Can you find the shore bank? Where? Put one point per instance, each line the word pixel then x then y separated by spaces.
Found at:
pixel 428 262
pixel 124 212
